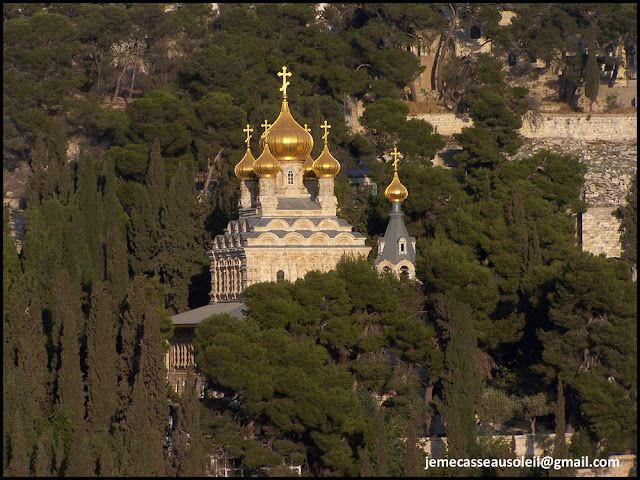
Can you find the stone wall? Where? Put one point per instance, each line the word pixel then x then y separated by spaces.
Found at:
pixel 627 467
pixel 523 445
pixel 607 127
pixel 601 231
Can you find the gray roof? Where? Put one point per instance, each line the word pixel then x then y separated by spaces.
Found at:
pixel 297 204
pixel 395 231
pixel 197 315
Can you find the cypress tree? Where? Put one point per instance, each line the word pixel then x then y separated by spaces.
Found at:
pixel 44 454
pixel 145 418
pixel 181 257
pixel 88 203
pixel 80 462
pixel 67 311
pixel 26 378
pixel 146 234
pixel 11 270
pixel 102 359
pixel 115 247
pixel 365 462
pixel 629 227
pixel 190 460
pixel 381 444
pixel 412 467
pixel 592 75
pixel 18 461
pixel 461 385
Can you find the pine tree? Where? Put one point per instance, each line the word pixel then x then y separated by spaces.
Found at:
pixel 189 461
pixel 461 385
pixel 101 361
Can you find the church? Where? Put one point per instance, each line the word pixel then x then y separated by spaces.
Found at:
pixel 287 226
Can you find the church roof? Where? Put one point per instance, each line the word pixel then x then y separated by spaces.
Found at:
pixel 396 230
pixel 197 315
pixel 297 204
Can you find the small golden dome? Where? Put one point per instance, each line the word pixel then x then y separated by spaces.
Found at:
pixel 307 167
pixel 266 165
pixel 396 192
pixel 288 141
pixel 326 165
pixel 244 168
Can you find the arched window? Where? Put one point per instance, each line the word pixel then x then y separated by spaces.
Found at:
pixel 404 271
pixel 290 177
pixel 402 246
pixel 280 276
pixel 386 270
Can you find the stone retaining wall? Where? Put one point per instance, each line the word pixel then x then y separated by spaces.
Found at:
pixel 601 231
pixel 607 127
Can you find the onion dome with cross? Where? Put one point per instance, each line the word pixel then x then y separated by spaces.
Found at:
pixel 288 141
pixel 244 168
pixel 326 165
pixel 307 166
pixel 266 165
pixel 396 192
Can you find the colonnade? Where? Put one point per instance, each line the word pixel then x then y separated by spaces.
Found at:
pixel 228 278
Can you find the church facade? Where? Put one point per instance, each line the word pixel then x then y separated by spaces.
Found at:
pixel 287 226
pixel 287 223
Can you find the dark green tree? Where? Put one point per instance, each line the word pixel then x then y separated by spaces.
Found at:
pixel 189 454
pixel 70 396
pixel 101 380
pixel 381 444
pixel 629 226
pixel 592 75
pixel 461 385
pixel 144 421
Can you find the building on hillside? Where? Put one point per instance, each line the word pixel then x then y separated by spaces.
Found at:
pixel 396 250
pixel 287 226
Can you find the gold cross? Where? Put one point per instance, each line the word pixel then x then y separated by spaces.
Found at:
pixel 284 74
pixel 395 153
pixel 265 125
pixel 248 130
pixel 307 128
pixel 326 130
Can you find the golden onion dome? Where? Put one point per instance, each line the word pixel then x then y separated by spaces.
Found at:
pixel 396 192
pixel 266 165
pixel 244 168
pixel 325 165
pixel 288 141
pixel 307 167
